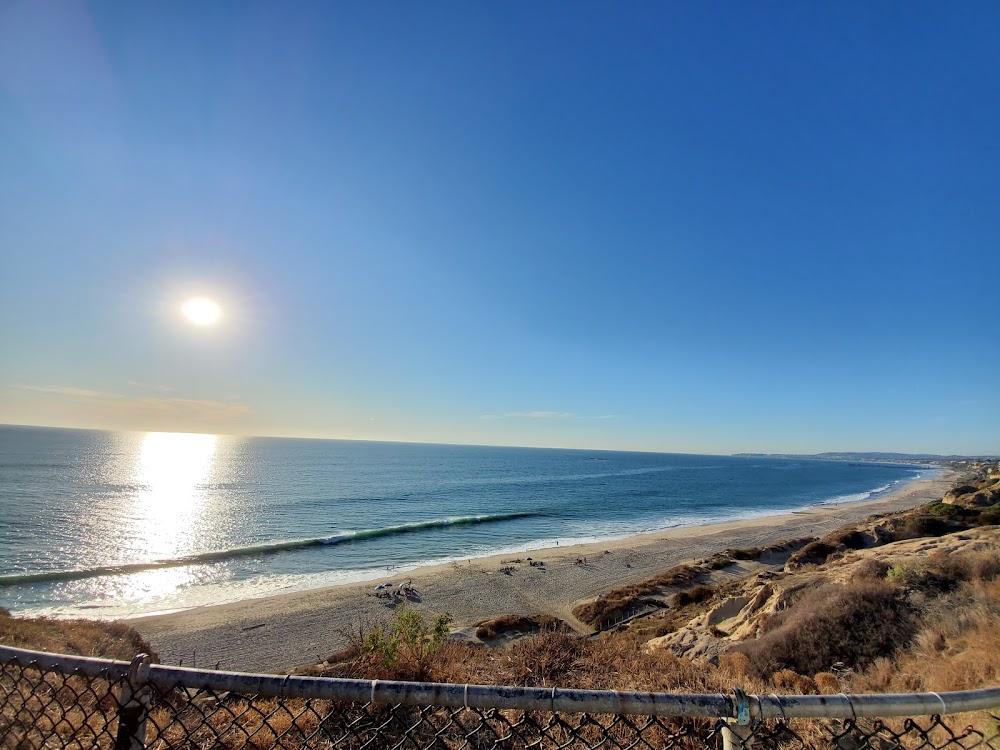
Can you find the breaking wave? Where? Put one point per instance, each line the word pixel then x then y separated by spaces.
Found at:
pixel 256 550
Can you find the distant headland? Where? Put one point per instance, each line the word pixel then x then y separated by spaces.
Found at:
pixel 925 458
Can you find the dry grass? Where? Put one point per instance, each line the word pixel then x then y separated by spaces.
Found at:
pixel 938 519
pixel 927 624
pixel 522 624
pixel 780 547
pixel 618 661
pixel 957 646
pixel 110 640
pixel 697 595
pixel 606 609
pixel 69 707
pixel 931 520
pixel 849 538
pixel 848 624
pixel 815 553
pixel 871 570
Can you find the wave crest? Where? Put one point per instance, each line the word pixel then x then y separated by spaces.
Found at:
pixel 269 548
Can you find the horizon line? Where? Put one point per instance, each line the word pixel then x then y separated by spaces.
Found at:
pixel 495 445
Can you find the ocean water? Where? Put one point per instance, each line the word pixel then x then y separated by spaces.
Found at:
pixel 107 524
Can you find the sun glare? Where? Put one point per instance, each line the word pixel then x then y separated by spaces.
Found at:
pixel 201 311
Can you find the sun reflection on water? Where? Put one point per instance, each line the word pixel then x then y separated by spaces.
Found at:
pixel 161 519
pixel 171 474
pixel 172 471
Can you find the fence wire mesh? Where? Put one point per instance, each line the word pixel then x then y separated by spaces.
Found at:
pixel 117 706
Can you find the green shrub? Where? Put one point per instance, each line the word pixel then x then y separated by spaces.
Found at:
pixel 919 526
pixel 900 573
pixel 718 561
pixel 945 510
pixel 408 641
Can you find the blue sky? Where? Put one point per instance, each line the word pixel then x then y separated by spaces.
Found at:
pixel 702 227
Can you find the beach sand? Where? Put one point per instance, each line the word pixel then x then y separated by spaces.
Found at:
pixel 278 633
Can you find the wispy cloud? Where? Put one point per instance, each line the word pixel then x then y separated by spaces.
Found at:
pixel 151 386
pixel 193 406
pixel 66 390
pixel 548 414
pixel 529 415
pixel 539 414
pixel 170 409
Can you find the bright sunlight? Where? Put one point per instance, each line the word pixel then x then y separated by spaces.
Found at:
pixel 201 311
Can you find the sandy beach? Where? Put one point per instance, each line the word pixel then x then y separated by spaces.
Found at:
pixel 281 632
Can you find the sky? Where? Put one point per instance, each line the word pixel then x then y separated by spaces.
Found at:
pixel 699 227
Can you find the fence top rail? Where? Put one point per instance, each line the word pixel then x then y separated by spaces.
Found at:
pixel 710 705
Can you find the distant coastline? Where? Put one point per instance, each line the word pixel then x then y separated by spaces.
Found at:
pixel 919 459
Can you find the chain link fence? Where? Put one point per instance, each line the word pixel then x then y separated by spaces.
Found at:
pixel 55 701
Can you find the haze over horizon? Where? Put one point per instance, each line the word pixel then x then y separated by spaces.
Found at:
pixel 489 445
pixel 701 228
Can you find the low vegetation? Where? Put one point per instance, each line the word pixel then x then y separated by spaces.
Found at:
pixel 109 640
pixel 767 553
pixel 931 520
pixel 488 630
pixel 847 624
pixel 403 650
pixel 781 548
pixel 697 595
pixel 612 606
pixel 927 625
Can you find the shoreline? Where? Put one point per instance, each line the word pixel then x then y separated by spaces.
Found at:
pixel 286 630
pixel 376 576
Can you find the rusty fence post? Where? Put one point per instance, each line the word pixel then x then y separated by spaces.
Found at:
pixel 133 707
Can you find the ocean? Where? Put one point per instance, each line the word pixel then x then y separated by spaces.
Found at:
pixel 114 524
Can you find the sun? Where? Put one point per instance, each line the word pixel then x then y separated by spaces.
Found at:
pixel 201 311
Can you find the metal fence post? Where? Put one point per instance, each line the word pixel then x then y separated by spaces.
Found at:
pixel 737 734
pixel 736 737
pixel 133 707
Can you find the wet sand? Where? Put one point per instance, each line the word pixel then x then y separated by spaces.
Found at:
pixel 278 633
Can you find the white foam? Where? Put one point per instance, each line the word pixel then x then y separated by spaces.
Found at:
pixel 225 592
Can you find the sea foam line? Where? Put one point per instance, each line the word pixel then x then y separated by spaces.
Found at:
pixel 859 497
pixel 270 548
pixel 296 583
